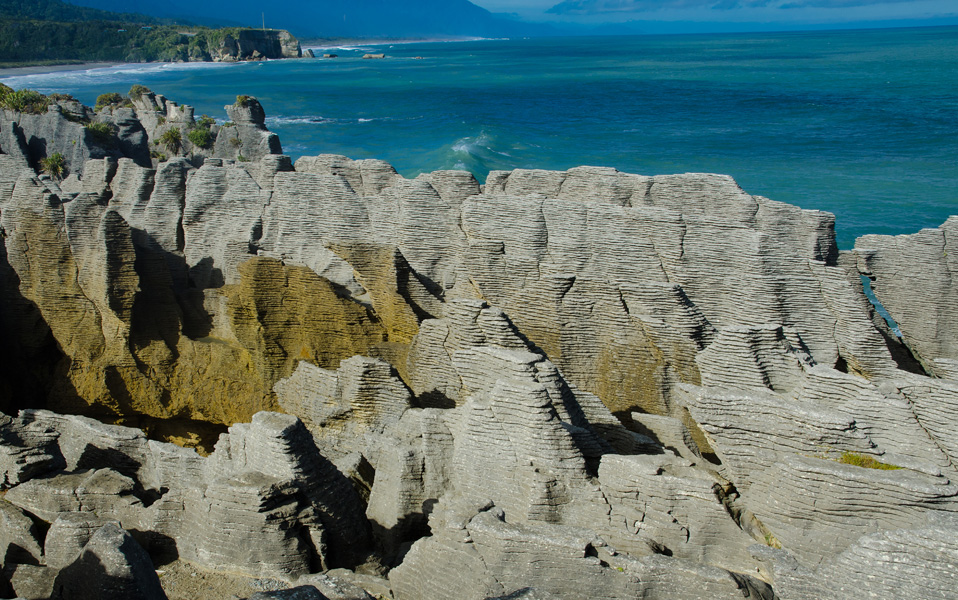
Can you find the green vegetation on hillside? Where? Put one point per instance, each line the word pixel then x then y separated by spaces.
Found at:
pixel 52 31
pixel 57 10
pixel 35 41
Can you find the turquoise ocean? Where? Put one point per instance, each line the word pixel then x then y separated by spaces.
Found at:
pixel 863 124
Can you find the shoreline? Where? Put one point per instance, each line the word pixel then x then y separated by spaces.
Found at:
pixel 6 72
pixel 349 42
pixel 44 69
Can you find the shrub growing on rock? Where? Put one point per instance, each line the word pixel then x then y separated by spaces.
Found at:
pixel 54 165
pixel 138 91
pixel 24 101
pixel 109 99
pixel 172 140
pixel 102 133
pixel 206 121
pixel 200 137
pixel 112 100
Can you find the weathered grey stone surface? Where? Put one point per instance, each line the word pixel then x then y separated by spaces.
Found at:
pixel 103 492
pixel 19 538
pixel 917 563
pixel 248 506
pixel 486 557
pixel 666 506
pixel 112 566
pixel 31 582
pixel 359 399
pixel 279 446
pixel 664 385
pixel 303 592
pixel 30 137
pixel 921 299
pixel 26 450
pixel 68 535
pixel 334 588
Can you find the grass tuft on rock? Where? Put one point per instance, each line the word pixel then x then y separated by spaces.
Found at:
pixel 102 133
pixel 865 461
pixel 172 140
pixel 54 165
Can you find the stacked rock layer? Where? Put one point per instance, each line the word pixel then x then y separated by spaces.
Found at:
pixel 553 384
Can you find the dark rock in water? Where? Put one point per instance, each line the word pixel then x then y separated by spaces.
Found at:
pixel 112 566
pixel 368 56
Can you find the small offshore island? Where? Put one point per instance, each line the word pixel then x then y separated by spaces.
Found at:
pixel 225 375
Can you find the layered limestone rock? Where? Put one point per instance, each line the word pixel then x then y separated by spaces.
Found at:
pixel 664 385
pixel 111 565
pixel 476 558
pixel 255 44
pixel 882 565
pixel 350 407
pixel 265 503
pixel 921 299
pixel 640 288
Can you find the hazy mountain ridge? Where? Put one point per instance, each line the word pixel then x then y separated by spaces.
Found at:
pixel 342 18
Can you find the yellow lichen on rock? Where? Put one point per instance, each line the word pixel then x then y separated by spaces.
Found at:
pixel 280 312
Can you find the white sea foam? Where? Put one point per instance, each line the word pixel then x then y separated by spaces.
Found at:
pixel 343 48
pixel 313 120
pixel 67 79
pixel 477 145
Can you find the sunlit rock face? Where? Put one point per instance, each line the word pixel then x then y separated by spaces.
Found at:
pixel 665 385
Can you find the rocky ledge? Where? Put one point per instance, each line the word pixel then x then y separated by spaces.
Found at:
pixel 551 385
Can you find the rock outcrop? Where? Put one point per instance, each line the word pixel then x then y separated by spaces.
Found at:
pixel 253 44
pixel 663 385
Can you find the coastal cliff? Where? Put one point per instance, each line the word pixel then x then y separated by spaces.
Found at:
pixel 664 385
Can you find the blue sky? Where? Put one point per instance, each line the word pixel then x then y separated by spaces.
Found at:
pixel 790 12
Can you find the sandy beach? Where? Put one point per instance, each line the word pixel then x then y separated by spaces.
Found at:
pixel 40 69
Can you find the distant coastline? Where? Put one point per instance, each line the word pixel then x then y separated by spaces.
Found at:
pixel 316 44
pixel 54 68
pixel 326 43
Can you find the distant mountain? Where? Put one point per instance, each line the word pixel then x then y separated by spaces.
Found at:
pixel 338 18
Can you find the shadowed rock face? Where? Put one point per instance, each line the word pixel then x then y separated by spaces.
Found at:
pixel 664 384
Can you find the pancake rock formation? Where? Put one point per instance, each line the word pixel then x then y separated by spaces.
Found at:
pixel 330 381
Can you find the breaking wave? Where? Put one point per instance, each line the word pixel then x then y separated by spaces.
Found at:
pixel 67 79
